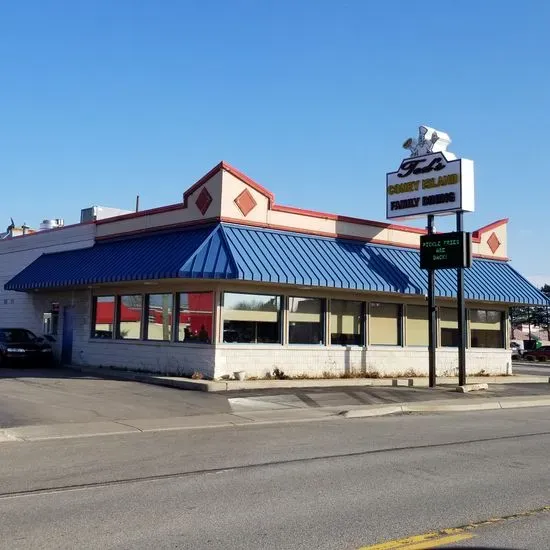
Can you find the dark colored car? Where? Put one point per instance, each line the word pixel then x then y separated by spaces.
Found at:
pixel 540 354
pixel 21 346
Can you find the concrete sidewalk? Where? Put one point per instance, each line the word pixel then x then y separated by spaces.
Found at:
pixel 253 385
pixel 258 417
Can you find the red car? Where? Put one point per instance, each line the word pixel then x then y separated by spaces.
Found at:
pixel 540 354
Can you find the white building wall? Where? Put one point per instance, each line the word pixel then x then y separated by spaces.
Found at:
pixel 25 309
pixel 161 357
pixel 375 361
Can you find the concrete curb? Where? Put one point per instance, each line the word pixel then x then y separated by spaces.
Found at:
pixel 448 406
pixel 253 385
pixel 254 418
pixel 472 387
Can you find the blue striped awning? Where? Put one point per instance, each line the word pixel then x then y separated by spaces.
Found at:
pixel 155 256
pixel 246 253
pixel 293 258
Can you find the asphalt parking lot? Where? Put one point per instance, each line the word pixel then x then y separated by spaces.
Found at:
pixel 57 396
pixel 52 396
pixel 531 367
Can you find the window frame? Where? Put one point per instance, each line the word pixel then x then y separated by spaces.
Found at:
pixel 362 324
pixel 177 313
pixel 146 314
pixel 440 328
pixel 280 316
pixel 406 329
pixel 501 331
pixel 399 319
pixel 142 316
pixel 93 317
pixel 322 321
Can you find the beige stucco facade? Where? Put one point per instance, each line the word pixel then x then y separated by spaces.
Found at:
pixel 224 184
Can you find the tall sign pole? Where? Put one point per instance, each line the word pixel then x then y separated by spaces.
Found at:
pixel 434 182
pixel 432 316
pixel 461 311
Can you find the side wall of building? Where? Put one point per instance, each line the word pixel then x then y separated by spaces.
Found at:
pixel 25 309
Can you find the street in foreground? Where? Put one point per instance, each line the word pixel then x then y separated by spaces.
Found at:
pixel 338 484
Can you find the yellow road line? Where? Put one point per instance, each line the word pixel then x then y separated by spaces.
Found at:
pixel 420 542
pixel 451 535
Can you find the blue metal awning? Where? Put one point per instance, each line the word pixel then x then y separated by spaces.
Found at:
pixel 156 256
pixel 228 251
pixel 284 257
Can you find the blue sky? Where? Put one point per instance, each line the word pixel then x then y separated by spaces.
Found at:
pixel 103 100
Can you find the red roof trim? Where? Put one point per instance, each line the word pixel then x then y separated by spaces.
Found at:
pixel 151 211
pixel 200 182
pixel 348 219
pixel 237 173
pixel 158 229
pixel 249 181
pixel 476 235
pixel 180 206
pixel 43 231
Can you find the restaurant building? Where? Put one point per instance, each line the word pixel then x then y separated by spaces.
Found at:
pixel 228 280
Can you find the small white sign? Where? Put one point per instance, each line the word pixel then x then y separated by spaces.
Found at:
pixel 431 181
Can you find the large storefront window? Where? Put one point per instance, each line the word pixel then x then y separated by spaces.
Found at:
pixel 103 320
pixel 195 317
pixel 346 323
pixel 159 320
pixel 129 317
pixel 416 326
pixel 486 328
pixel 448 326
pixel 305 321
pixel 251 318
pixel 385 324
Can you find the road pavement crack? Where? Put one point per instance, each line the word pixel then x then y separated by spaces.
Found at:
pixel 127 425
pixel 243 467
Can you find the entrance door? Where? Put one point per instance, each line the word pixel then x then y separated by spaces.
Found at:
pixel 67 342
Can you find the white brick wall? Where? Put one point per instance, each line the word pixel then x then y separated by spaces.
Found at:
pixel 390 361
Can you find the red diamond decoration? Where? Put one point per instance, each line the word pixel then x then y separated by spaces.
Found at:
pixel 493 242
pixel 246 203
pixel 204 200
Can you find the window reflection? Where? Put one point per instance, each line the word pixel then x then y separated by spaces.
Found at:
pixel 159 321
pixel 195 317
pixel 251 318
pixel 104 317
pixel 346 323
pixel 305 321
pixel 129 317
pixel 384 324
pixel 487 328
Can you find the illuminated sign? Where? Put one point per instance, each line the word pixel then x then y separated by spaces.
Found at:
pixel 446 250
pixel 431 181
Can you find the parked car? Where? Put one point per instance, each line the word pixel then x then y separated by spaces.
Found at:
pixel 21 346
pixel 540 354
